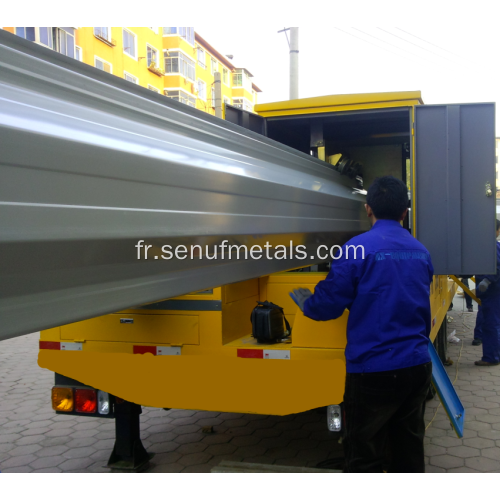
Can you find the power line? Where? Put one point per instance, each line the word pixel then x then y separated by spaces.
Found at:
pixel 426 41
pixel 384 48
pixel 416 45
pixel 392 45
pixel 364 33
pixel 366 41
pixel 441 48
pixel 405 50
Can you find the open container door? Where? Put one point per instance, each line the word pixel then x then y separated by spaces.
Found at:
pixel 455 186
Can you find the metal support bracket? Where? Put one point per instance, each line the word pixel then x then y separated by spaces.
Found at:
pixel 129 454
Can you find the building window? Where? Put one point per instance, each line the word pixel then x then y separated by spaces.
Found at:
pixel 186 33
pixel 102 64
pixel 237 80
pixel 42 35
pixel 213 97
pixel 130 78
pixel 201 57
pixel 28 33
pixel 213 65
pixel 227 100
pixel 63 40
pixel 242 103
pixel 152 56
pixel 202 90
pixel 129 43
pixel 46 36
pixel 225 76
pixel 103 33
pixel 180 96
pixel 241 78
pixel 154 89
pixel 78 53
pixel 177 62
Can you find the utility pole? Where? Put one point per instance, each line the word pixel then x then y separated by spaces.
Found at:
pixel 294 63
pixel 293 45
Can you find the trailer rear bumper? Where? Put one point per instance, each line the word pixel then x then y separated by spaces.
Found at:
pixel 312 378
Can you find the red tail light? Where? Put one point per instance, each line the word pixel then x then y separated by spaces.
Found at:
pixel 85 400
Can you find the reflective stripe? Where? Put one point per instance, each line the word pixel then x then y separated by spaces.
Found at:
pixel 71 346
pixel 157 350
pixel 276 354
pixel 143 349
pixel 168 351
pixel 250 353
pixel 44 344
pixel 263 353
pixel 60 346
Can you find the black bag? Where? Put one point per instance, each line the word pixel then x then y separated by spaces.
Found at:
pixel 267 323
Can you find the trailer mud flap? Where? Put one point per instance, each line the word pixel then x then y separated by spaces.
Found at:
pixel 447 394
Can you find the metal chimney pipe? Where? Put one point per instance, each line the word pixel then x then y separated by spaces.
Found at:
pixel 218 94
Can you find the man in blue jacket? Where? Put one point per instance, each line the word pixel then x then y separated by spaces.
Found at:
pixel 488 317
pixel 387 360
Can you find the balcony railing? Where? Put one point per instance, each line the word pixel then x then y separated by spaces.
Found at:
pixel 108 41
pixel 156 70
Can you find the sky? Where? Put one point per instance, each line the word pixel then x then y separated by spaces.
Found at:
pixel 447 65
pixel 448 50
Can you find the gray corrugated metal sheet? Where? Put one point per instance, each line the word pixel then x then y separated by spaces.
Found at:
pixel 91 165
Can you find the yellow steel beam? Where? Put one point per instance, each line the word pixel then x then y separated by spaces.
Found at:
pixel 465 289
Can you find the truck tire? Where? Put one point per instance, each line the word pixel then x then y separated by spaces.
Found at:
pixel 441 341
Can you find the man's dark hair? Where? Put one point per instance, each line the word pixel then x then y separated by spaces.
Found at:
pixel 387 197
pixel 498 224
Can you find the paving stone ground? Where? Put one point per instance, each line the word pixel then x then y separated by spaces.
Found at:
pixel 34 439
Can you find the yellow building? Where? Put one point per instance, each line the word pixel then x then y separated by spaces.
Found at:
pixel 174 61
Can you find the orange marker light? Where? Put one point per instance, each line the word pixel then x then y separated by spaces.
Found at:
pixel 62 398
pixel 86 400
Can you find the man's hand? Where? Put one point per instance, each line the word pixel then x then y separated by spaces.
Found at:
pixel 483 286
pixel 299 296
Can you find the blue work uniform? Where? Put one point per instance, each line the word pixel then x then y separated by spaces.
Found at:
pixel 489 326
pixel 387 295
pixel 478 333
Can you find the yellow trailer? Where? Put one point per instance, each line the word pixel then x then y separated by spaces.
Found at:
pixel 196 351
pixel 110 163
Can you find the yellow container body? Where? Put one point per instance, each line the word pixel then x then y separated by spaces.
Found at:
pixel 220 366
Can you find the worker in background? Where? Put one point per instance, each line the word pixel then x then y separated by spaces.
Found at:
pixel 467 297
pixel 478 334
pixel 387 359
pixel 488 290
